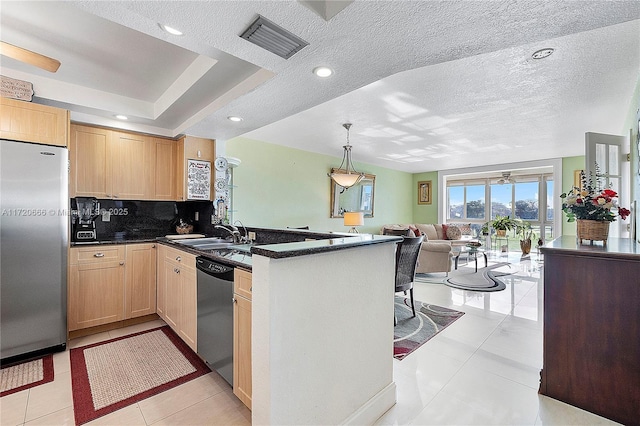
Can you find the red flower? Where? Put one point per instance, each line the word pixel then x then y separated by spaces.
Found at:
pixel 623 213
pixel 579 201
pixel 609 193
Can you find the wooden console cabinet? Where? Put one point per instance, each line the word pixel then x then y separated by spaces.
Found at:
pixel 592 327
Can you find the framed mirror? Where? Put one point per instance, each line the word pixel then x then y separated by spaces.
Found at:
pixel 358 198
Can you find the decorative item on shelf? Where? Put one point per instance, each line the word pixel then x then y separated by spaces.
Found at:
pixel 353 219
pixel 593 208
pixel 183 226
pixel 502 224
pixel 525 232
pixel 347 176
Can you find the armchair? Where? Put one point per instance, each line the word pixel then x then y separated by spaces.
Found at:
pixel 435 257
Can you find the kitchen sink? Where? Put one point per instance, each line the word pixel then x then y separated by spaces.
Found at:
pixel 192 242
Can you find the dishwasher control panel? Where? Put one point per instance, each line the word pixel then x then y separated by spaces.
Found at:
pixel 211 267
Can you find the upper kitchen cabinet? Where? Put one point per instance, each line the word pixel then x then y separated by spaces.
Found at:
pixel 131 163
pixel 114 164
pixel 29 122
pixel 90 162
pixel 163 184
pixel 196 152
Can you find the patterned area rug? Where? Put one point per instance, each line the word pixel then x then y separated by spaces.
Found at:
pixel 411 333
pixel 465 278
pixel 16 378
pixel 116 373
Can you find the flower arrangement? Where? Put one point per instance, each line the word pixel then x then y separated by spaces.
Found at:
pixel 592 203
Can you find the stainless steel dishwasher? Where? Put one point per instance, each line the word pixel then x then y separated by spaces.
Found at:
pixel 215 316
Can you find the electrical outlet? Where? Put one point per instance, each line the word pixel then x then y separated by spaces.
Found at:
pixel 252 236
pixel 196 216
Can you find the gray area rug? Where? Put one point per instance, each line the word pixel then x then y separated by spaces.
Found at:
pixel 486 279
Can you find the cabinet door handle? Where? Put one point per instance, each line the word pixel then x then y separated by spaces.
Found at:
pixel 178 258
pixel 251 288
pixel 121 263
pixel 176 270
pixel 233 299
pixel 98 255
pixel 153 246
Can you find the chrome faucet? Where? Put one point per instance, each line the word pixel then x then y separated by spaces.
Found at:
pixel 245 237
pixel 235 234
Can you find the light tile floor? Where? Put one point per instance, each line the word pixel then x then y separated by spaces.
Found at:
pixel 484 369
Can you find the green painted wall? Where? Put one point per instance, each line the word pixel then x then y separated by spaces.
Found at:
pixel 569 166
pixel 278 186
pixel 425 213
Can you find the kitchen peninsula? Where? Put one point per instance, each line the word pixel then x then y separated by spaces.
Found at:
pixel 591 326
pixel 322 327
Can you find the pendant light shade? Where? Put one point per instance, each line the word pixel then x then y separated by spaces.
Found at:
pixel 346 175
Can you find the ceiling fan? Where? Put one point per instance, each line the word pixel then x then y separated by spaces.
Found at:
pixel 506 178
pixel 29 57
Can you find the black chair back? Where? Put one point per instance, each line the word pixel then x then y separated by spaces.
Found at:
pixel 397 232
pixel 406 261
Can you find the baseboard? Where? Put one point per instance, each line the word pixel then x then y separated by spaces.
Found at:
pixel 374 408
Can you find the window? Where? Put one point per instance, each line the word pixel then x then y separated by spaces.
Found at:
pixel 530 198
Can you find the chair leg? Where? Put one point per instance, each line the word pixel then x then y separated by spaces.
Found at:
pixel 413 305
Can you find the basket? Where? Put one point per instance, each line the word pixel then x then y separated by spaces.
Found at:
pixel 594 230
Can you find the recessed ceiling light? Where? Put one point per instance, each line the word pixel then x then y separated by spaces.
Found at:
pixel 234 118
pixel 542 53
pixel 170 30
pixel 322 71
pixel 122 117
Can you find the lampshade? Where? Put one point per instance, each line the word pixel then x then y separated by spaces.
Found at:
pixel 348 176
pixel 353 219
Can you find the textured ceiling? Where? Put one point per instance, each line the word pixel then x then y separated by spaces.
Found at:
pixel 428 85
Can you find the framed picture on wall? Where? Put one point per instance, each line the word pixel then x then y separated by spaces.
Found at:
pixel 424 192
pixel 577 179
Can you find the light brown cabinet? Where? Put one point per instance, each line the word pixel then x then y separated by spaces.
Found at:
pixel 29 122
pixel 96 286
pixel 114 164
pixel 90 162
pixel 192 148
pixel 177 293
pixel 140 280
pixel 110 283
pixel 163 183
pixel 242 381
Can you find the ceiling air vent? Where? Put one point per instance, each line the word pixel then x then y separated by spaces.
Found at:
pixel 273 38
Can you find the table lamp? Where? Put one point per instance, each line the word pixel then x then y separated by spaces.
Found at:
pixel 353 219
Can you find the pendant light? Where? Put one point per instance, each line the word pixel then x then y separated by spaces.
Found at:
pixel 506 178
pixel 347 176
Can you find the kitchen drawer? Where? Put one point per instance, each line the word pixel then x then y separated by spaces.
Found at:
pixel 100 255
pixel 180 257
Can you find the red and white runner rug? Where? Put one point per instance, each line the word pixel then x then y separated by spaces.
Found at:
pixel 110 375
pixel 16 378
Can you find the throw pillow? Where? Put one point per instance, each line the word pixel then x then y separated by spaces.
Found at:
pixel 444 231
pixel 453 232
pixel 416 231
pixel 465 228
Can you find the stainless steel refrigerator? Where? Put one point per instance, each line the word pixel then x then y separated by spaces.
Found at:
pixel 33 248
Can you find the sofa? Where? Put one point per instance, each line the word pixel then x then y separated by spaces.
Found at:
pixel 437 250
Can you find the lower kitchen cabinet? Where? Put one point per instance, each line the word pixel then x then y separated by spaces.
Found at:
pixel 242 336
pixel 177 293
pixel 140 280
pixel 110 283
pixel 96 286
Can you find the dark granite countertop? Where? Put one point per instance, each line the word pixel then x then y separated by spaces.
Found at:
pixel 271 243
